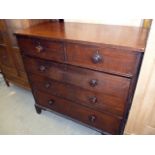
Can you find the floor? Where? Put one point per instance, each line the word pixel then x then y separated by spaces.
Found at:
pixel 18 116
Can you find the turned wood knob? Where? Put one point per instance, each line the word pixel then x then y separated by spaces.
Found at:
pixel 93 83
pixel 50 102
pixel 47 85
pixel 97 58
pixel 92 118
pixel 93 99
pixel 42 68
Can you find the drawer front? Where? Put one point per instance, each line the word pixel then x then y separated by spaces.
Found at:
pixel 95 100
pixel 84 78
pixel 110 60
pixel 93 118
pixel 41 48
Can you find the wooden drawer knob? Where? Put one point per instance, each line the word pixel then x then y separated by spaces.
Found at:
pixel 93 99
pixel 92 118
pixel 42 68
pixel 96 58
pixel 93 83
pixel 47 85
pixel 50 102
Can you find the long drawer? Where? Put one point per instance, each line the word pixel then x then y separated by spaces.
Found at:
pixel 96 119
pixel 117 61
pixel 88 79
pixel 95 100
pixel 41 48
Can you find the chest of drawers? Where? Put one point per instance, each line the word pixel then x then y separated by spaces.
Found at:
pixel 86 72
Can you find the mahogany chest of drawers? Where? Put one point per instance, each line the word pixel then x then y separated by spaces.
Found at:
pixel 87 72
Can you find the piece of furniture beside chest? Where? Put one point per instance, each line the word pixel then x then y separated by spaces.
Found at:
pixel 84 71
pixel 10 59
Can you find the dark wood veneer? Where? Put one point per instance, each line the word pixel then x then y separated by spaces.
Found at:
pixel 42 48
pixel 103 102
pixel 115 61
pixel 101 121
pixel 81 77
pixel 85 71
pixel 126 37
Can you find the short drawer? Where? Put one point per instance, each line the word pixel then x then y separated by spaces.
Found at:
pixel 41 48
pixel 95 100
pixel 106 59
pixel 85 78
pixel 93 118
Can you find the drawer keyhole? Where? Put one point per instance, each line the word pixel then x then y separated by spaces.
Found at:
pixel 39 48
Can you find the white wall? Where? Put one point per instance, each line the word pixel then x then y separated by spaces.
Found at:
pixel 128 22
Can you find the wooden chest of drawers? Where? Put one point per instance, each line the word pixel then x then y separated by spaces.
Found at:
pixel 87 72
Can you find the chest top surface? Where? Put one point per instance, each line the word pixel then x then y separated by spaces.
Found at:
pixel 127 37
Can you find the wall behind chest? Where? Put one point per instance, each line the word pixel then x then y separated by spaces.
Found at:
pixel 127 22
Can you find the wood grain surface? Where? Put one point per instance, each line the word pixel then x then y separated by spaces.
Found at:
pixel 132 38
